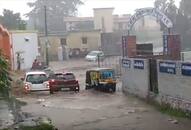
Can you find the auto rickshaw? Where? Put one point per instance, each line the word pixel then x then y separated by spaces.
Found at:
pixel 101 79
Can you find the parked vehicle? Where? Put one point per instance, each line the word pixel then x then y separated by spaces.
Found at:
pixel 94 55
pixel 35 81
pixel 101 79
pixel 38 65
pixel 63 81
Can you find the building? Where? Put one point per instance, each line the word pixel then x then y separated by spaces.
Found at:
pixel 81 42
pixel 79 23
pixel 70 44
pixel 24 48
pixel 5 45
pixel 103 20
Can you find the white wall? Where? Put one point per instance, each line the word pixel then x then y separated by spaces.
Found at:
pixel 29 48
pixel 174 85
pixel 186 56
pixel 136 81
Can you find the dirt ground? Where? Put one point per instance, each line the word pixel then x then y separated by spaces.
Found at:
pixel 94 110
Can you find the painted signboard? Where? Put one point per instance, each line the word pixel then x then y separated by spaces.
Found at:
pixel 139 64
pixel 126 63
pixel 152 12
pixel 167 67
pixel 165 44
pixel 186 69
pixel 124 46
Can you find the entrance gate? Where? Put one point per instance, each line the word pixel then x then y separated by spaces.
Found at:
pixel 171 44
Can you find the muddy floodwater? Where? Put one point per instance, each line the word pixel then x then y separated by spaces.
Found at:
pixel 94 110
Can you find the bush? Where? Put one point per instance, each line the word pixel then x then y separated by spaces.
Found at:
pixel 40 127
pixel 4 76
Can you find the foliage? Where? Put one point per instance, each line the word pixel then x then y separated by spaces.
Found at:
pixel 167 109
pixel 12 20
pixel 4 76
pixel 169 8
pixel 40 127
pixel 56 11
pixel 181 18
pixel 185 22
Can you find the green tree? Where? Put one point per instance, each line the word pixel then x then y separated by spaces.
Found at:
pixel 56 11
pixel 4 76
pixel 12 20
pixel 181 18
pixel 185 22
pixel 169 8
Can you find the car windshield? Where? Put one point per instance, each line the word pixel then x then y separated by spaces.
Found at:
pixel 94 53
pixel 36 78
pixel 68 76
pixel 107 74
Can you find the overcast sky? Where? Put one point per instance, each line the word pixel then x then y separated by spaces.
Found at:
pixel 121 6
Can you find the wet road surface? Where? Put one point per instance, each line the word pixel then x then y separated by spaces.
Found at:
pixel 94 110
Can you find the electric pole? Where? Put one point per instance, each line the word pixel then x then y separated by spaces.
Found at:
pixel 46 34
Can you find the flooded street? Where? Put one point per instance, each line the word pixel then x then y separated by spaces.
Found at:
pixel 6 117
pixel 94 110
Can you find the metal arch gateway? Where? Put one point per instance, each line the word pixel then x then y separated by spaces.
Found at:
pixel 152 12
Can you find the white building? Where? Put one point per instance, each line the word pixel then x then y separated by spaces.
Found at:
pixel 24 43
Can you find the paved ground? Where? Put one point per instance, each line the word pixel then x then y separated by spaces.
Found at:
pixel 93 110
pixel 6 118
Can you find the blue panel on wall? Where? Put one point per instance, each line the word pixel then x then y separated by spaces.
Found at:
pixel 186 69
pixel 126 63
pixel 167 67
pixel 139 64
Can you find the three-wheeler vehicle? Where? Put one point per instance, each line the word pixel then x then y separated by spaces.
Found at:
pixel 101 79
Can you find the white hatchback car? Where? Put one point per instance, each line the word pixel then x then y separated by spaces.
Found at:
pixel 93 56
pixel 36 81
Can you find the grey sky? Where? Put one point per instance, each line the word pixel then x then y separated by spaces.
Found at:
pixel 121 6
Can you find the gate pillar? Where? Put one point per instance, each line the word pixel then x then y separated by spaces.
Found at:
pixel 172 47
pixel 129 48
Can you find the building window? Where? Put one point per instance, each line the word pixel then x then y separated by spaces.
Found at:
pixel 84 40
pixel 63 41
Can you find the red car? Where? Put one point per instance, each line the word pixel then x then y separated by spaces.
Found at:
pixel 63 81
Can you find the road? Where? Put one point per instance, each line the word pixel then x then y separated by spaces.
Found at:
pixel 93 110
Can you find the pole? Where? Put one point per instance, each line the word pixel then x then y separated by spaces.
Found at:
pixel 98 60
pixel 169 31
pixel 46 34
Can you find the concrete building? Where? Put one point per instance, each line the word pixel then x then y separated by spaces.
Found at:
pixel 73 43
pixel 79 23
pixel 24 48
pixel 103 19
pixel 81 42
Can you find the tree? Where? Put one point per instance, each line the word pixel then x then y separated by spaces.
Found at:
pixel 185 8
pixel 56 11
pixel 12 20
pixel 185 22
pixel 181 18
pixel 169 8
pixel 4 76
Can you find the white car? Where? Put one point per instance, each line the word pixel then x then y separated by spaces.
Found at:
pixel 36 81
pixel 93 56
